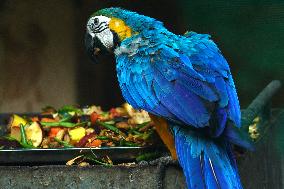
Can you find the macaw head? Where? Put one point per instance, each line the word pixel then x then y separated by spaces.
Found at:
pixel 108 28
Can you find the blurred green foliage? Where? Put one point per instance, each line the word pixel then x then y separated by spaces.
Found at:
pixel 250 33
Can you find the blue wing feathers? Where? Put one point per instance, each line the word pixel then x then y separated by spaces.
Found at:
pixel 170 104
pixel 218 122
pixel 180 101
pixel 193 106
pixel 233 105
pixel 235 136
pixel 196 170
pixel 134 93
pixel 128 97
pixel 210 179
pixel 139 86
pixel 220 86
pixel 198 87
pixel 206 163
pixel 198 73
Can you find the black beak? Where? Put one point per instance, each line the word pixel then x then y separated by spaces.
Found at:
pixel 93 47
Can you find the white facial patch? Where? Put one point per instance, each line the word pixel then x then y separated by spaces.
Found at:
pixel 106 37
pixel 98 26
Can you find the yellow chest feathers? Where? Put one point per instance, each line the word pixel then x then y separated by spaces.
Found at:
pixel 119 26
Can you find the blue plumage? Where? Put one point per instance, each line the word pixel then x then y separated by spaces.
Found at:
pixel 186 80
pixel 168 85
pixel 171 80
pixel 211 162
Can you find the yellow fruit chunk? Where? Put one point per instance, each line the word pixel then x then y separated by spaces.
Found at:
pixel 17 120
pixel 34 134
pixel 14 126
pixel 77 134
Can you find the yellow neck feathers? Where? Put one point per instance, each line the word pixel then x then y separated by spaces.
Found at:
pixel 119 26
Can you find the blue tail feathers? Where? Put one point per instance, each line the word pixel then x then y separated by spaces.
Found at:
pixel 206 163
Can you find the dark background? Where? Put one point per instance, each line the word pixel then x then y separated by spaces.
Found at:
pixel 43 62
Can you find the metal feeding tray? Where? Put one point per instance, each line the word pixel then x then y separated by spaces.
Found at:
pixel 62 155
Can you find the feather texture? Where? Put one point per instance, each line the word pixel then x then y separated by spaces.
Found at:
pixel 180 78
pixel 206 163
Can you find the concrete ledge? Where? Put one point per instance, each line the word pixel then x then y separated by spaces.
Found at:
pixel 89 177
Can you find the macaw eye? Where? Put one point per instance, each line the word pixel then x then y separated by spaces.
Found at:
pixel 93 24
pixel 97 24
pixel 96 21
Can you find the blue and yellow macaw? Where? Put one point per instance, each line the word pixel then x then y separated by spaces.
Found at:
pixel 186 85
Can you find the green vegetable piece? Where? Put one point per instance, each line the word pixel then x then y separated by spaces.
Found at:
pixel 65 144
pixel 110 122
pixel 127 143
pixel 96 160
pixel 10 138
pixel 137 132
pixel 23 134
pixel 66 118
pixel 140 126
pixel 105 113
pixel 24 141
pixel 109 127
pixel 69 108
pixel 62 124
pixel 102 138
pixel 147 135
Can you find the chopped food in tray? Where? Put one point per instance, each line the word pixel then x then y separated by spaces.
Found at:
pixel 87 127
